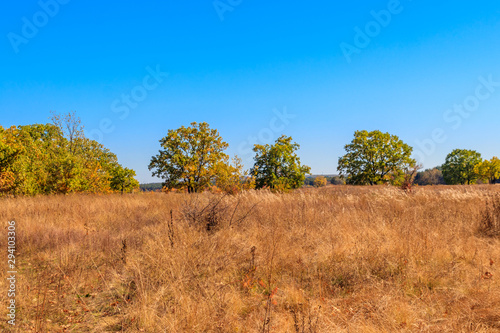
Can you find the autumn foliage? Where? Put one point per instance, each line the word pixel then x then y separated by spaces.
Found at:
pixel 58 158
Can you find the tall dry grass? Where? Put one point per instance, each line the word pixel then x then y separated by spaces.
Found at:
pixel 336 259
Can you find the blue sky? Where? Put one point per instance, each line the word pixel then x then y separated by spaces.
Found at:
pixel 428 72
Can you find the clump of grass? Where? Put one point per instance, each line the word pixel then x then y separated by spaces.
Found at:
pixel 213 211
pixel 206 211
pixel 305 320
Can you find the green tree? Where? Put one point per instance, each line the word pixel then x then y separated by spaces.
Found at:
pixel 70 126
pixel 489 170
pixel 81 164
pixel 10 149
pixel 231 178
pixel 122 179
pixel 375 158
pixel 460 167
pixel 337 180
pixel 39 149
pixel 190 157
pixel 44 158
pixel 430 177
pixel 278 166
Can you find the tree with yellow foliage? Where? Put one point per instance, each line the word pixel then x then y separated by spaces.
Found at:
pixel 489 170
pixel 320 181
pixel 57 158
pixel 193 158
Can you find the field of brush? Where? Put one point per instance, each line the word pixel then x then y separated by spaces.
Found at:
pixel 334 259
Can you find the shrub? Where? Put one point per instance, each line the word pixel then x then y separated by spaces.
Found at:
pixel 320 181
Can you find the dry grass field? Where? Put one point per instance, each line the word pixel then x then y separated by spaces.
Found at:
pixel 335 259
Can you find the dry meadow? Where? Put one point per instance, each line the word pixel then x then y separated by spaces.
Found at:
pixel 334 259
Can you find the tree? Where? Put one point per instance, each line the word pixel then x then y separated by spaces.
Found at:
pixel 71 127
pixel 278 166
pixel 44 159
pixel 489 170
pixel 190 157
pixel 460 167
pixel 337 180
pixel 430 177
pixel 375 158
pixel 320 181
pixel 231 178
pixel 39 148
pixel 81 164
pixel 122 179
pixel 10 149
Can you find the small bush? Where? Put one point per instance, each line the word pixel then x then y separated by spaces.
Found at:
pixel 320 181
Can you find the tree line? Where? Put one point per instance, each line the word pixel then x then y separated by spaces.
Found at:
pixel 58 158
pixel 378 158
pixel 193 158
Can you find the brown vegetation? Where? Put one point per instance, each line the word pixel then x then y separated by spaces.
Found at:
pixel 334 259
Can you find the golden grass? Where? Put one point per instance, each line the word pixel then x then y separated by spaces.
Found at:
pixel 335 259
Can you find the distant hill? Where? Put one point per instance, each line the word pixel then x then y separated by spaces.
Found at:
pixel 325 175
pixel 330 178
pixel 309 181
pixel 150 187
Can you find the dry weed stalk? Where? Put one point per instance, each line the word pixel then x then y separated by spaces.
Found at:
pixel 304 321
pixel 170 226
pixel 490 222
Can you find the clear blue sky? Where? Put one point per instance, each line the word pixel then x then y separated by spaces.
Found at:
pixel 239 65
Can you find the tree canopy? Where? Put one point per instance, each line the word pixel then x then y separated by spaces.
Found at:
pixel 375 158
pixel 489 170
pixel 41 159
pixel 193 158
pixel 460 167
pixel 278 166
pixel 58 158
